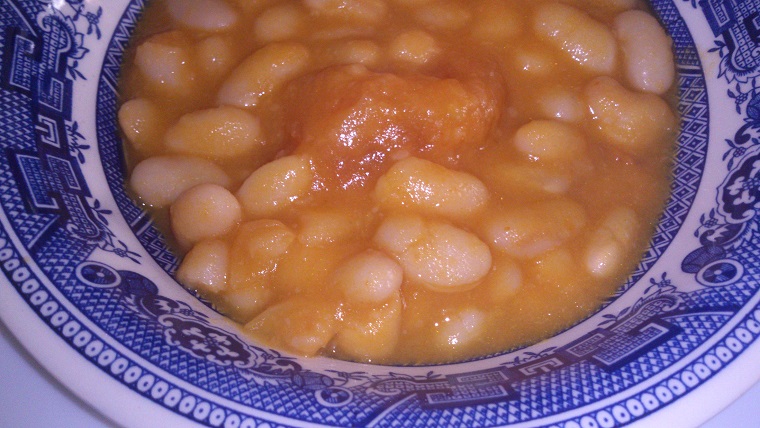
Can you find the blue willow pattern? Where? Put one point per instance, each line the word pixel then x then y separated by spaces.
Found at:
pixel 53 216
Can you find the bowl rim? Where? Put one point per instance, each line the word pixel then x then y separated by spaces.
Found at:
pixel 12 310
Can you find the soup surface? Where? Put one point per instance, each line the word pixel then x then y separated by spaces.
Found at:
pixel 401 181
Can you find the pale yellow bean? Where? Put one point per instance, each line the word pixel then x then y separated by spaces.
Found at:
pixel 204 267
pixel 526 181
pixel 279 22
pixel 202 15
pixel 276 185
pixel 254 256
pixel 647 51
pixel 216 56
pixel 304 268
pixel 609 245
pixel 256 251
pixel 527 231
pixel 143 125
pixel 355 11
pixel 584 40
pixel 204 211
pixel 165 62
pixel 242 304
pixel 561 271
pixel 429 188
pixel 612 6
pixel 561 103
pixel 320 227
pixel 414 47
pixel 460 329
pixel 262 73
pixel 175 173
pixel 505 278
pixel 532 60
pixel 495 22
pixel 265 238
pixel 357 51
pixel 369 277
pixel 413 3
pixel 549 140
pixel 436 255
pixel 217 133
pixel 632 121
pixel 443 15
pixel 397 233
pixel 370 334
pixel 250 8
pixel 300 325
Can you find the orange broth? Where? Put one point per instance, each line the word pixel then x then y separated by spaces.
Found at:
pixel 378 106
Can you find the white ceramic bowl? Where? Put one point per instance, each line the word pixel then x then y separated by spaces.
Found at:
pixel 87 285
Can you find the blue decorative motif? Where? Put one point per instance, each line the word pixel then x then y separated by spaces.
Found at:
pixel 50 172
pixel 721 272
pixel 65 254
pixel 740 194
pixel 733 222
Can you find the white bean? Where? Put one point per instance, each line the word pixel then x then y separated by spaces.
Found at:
pixel 165 62
pixel 204 267
pixel 414 47
pixel 370 277
pixel 632 121
pixel 397 233
pixel 301 325
pixel 141 121
pixel 204 211
pixel 444 15
pixel 430 188
pixel 321 227
pixel 434 254
pixel 175 173
pixel 548 140
pixel 371 334
pixel 559 270
pixel 262 73
pixel 584 40
pixel 505 279
pixel 461 329
pixel 531 60
pixel 275 186
pixel 527 231
pixel 527 180
pixel 610 243
pixel 256 251
pixel 647 52
pixel 304 268
pixel 354 11
pixel 249 8
pixel 605 5
pixel 562 104
pixel 216 56
pixel 203 15
pixel 413 3
pixel 265 238
pixel 219 133
pixel 242 304
pixel 359 51
pixel 278 23
pixel 495 22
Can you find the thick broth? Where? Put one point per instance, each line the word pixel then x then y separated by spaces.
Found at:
pixel 401 181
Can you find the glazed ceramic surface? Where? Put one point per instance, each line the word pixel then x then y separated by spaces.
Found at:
pixel 87 280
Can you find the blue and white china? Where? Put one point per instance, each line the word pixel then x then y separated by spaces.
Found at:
pixel 87 282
